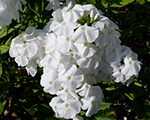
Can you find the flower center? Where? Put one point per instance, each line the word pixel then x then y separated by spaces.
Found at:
pixel 35 35
pixel 87 86
pixel 13 48
pixel 66 105
pixel 120 70
pixel 64 23
pixel 93 102
pixel 25 45
pixel 55 108
pixel 99 71
pixel 72 55
pixel 51 83
pixel 71 10
pixel 60 61
pixel 67 91
pixel 83 28
pixel 45 44
pixel 113 50
pixel 69 78
pixel 85 44
pixel 130 62
pixel 68 39
pixel 102 32
pixel 61 20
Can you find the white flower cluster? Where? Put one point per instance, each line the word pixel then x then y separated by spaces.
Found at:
pixel 77 48
pixel 9 10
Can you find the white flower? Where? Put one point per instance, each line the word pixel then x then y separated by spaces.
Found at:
pixel 49 82
pixel 113 51
pixel 85 34
pixel 65 44
pixel 64 28
pixel 109 24
pixel 22 50
pixel 94 13
pixel 92 104
pixel 101 73
pixel 90 79
pixel 53 4
pixel 32 34
pixel 88 90
pixel 77 117
pixel 32 68
pixel 104 37
pixel 56 60
pixel 53 104
pixel 72 78
pixel 72 15
pixel 70 1
pixel 126 51
pixel 117 75
pixel 89 64
pixel 9 9
pixel 50 43
pixel 132 66
pixel 86 49
pixel 69 108
pixel 66 94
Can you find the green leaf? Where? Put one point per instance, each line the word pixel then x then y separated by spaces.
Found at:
pixel 10 30
pixel 3 32
pixel 141 2
pixel 130 96
pixel 111 88
pixel 105 105
pixel 141 51
pixel 132 92
pixel 8 42
pixel 122 3
pixel 130 15
pixel 2 105
pixel 41 111
pixel 4 49
pixel 138 84
pixel 91 1
pixel 126 33
pixel 82 113
pixel 5 86
pixel 42 6
pixel 18 25
pixel 104 3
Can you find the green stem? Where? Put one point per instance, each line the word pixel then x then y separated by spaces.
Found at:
pixel 33 10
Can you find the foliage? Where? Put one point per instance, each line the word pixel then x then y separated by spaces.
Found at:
pixel 22 95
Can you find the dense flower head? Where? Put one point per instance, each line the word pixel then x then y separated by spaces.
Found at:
pixel 76 49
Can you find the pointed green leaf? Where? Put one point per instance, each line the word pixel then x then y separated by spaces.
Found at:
pixel 142 2
pixel 2 105
pixel 4 49
pixel 105 105
pixel 122 3
pixel 130 15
